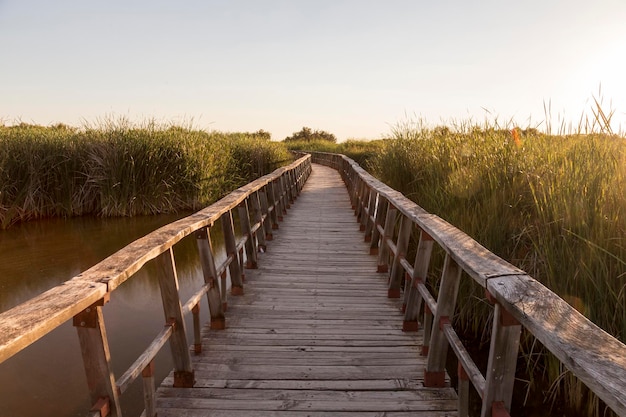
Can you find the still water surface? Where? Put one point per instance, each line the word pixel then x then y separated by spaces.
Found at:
pixel 48 378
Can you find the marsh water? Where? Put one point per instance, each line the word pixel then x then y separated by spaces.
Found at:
pixel 47 378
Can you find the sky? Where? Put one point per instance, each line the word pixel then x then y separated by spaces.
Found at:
pixel 354 68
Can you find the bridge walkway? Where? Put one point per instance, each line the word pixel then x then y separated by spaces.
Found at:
pixel 314 333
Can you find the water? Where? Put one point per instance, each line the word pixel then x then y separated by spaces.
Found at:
pixel 47 378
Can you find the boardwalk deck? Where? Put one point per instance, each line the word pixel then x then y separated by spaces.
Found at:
pixel 314 333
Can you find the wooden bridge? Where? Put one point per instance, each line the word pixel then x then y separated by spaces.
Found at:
pixel 326 315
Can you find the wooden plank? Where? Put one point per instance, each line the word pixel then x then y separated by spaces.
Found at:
pixel 177 412
pixel 314 332
pixel 28 322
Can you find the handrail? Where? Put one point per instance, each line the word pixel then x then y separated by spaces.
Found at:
pixel 591 354
pixel 260 205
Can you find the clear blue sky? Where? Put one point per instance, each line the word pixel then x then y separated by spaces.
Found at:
pixel 351 67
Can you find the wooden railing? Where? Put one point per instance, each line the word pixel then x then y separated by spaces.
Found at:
pixel 260 206
pixel 592 355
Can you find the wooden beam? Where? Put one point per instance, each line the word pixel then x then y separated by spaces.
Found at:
pixel 168 282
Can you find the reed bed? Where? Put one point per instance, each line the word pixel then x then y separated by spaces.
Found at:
pixel 553 205
pixel 120 169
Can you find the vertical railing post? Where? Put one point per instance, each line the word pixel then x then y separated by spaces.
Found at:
pixel 358 201
pixel 434 374
pixel 246 230
pixel 428 326
pixel 501 365
pixel 209 272
pixel 383 253
pixel 168 282
pixel 369 221
pixel 413 298
pixel 381 211
pixel 284 193
pixel 463 391
pixel 94 348
pixel 402 244
pixel 236 279
pixel 149 397
pixel 273 202
pixel 268 223
pixel 260 217
pixel 365 208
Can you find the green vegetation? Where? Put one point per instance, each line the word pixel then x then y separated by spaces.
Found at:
pixel 118 169
pixel 309 135
pixel 553 205
pixel 362 151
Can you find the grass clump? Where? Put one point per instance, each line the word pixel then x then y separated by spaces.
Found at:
pixel 553 205
pixel 120 169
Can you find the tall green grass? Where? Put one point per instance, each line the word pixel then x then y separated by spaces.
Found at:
pixel 120 169
pixel 553 205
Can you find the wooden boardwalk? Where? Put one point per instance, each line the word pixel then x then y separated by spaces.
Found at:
pixel 314 333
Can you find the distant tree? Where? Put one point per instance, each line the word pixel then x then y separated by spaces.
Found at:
pixel 309 135
pixel 262 134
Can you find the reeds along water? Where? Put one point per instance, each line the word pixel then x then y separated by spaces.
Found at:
pixel 553 205
pixel 123 170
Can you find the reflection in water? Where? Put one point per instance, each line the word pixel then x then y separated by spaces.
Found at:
pixel 48 378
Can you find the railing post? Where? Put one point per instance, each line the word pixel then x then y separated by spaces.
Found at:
pixel 365 209
pixel 434 375
pixel 209 272
pixel 230 245
pixel 94 348
pixel 381 206
pixel 284 193
pixel 383 253
pixel 369 222
pixel 260 218
pixel 413 298
pixel 463 391
pixel 428 326
pixel 265 211
pixel 149 397
pixel 246 230
pixel 397 271
pixel 275 209
pixel 358 198
pixel 168 282
pixel 501 366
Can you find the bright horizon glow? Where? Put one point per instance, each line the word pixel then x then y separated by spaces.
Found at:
pixel 350 67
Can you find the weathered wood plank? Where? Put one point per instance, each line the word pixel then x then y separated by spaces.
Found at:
pixel 314 331
pixel 28 322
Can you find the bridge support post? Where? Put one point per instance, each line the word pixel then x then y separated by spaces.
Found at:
pixel 246 229
pixel 168 282
pixel 365 198
pixel 369 221
pixel 277 212
pixel 412 296
pixel 259 216
pixel 94 347
pixel 209 272
pixel 267 221
pixel 383 253
pixel 501 365
pixel 381 211
pixel 228 230
pixel 397 271
pixel 434 375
